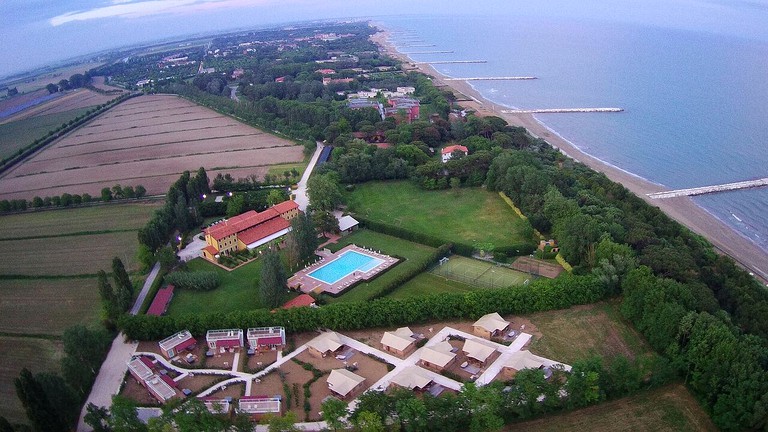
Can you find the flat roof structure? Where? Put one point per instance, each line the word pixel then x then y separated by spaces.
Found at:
pixel 177 342
pixel 266 336
pixel 217 405
pixel 161 301
pixel 225 338
pixel 159 387
pixel 258 404
pixel 141 367
pixel 439 355
pixel 399 339
pixel 478 349
pixel 347 222
pixel 342 381
pixel 411 378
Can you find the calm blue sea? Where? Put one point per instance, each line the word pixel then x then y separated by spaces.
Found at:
pixel 696 103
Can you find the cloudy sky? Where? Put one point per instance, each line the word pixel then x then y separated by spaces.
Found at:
pixel 37 32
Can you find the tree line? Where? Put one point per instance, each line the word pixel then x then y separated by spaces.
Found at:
pixel 116 192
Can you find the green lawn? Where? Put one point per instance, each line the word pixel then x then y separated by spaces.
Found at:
pixel 238 291
pixel 471 215
pixel 428 284
pixel 413 254
pixel 19 134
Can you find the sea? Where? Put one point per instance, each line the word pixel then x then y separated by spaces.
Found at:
pixel 695 102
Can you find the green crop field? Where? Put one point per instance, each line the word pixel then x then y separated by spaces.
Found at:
pixel 238 290
pixel 76 255
pixel 37 355
pixel 667 409
pixel 19 134
pixel 413 253
pixel 40 306
pixel 100 218
pixel 479 273
pixel 470 216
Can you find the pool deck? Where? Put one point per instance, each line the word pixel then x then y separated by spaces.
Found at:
pixel 302 281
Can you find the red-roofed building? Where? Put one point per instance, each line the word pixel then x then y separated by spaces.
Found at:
pixel 266 338
pixel 447 152
pixel 162 300
pixel 300 301
pixel 249 230
pixel 229 338
pixel 173 345
pixel 326 71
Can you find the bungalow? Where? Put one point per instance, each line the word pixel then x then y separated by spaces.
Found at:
pixel 161 387
pixel 399 342
pixel 343 382
pixel 437 357
pixel 173 345
pixel 447 152
pixel 221 339
pixel 217 405
pixel 412 378
pixel 478 350
pixel 141 368
pixel 249 230
pixel 303 300
pixel 161 301
pixel 489 326
pixel 408 106
pixel 266 338
pixel 259 405
pixel 326 343
pixel 520 360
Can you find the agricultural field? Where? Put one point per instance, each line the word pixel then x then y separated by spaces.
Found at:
pixel 471 216
pixel 51 76
pixel 18 134
pixel 667 409
pixel 148 140
pixel 582 331
pixel 61 103
pixel 412 253
pixel 38 355
pixel 47 306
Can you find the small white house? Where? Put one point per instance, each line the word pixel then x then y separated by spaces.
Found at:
pixel 447 152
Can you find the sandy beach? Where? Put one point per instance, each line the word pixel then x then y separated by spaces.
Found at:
pixel 683 209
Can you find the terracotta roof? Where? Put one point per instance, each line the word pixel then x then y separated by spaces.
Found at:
pixel 453 148
pixel 285 206
pixel 262 230
pixel 248 220
pixel 301 300
pixel 211 250
pixel 160 302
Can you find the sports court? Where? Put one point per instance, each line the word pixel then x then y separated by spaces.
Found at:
pixel 478 273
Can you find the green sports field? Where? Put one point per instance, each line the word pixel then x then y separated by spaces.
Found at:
pixel 478 273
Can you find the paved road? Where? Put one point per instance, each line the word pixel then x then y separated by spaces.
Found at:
pixel 193 249
pixel 301 192
pixel 112 371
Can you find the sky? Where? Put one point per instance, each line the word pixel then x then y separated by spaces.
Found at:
pixel 39 32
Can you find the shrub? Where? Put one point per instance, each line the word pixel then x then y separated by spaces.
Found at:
pixel 196 281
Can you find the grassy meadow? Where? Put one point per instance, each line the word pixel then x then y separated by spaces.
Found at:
pixel 471 215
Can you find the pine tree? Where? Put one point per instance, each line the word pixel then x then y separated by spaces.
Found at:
pixel 108 298
pixel 39 410
pixel 273 280
pixel 120 275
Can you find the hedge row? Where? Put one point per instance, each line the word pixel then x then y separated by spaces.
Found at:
pixel 463 249
pixel 540 295
pixel 195 281
pixel 442 251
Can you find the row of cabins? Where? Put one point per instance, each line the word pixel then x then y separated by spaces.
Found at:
pixel 249 230
pixel 160 386
pixel 255 406
pixel 258 338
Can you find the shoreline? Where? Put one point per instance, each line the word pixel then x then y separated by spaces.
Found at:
pixel 684 210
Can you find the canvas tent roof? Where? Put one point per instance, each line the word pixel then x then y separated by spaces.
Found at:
pixel 342 381
pixel 478 349
pixel 412 377
pixel 439 354
pixel 328 341
pixel 492 322
pixel 399 339
pixel 526 360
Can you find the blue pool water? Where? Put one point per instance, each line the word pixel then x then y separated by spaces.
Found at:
pixel 344 265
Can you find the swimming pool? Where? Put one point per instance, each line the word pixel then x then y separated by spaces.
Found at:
pixel 347 263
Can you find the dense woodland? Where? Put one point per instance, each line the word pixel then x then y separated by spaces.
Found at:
pixel 706 316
